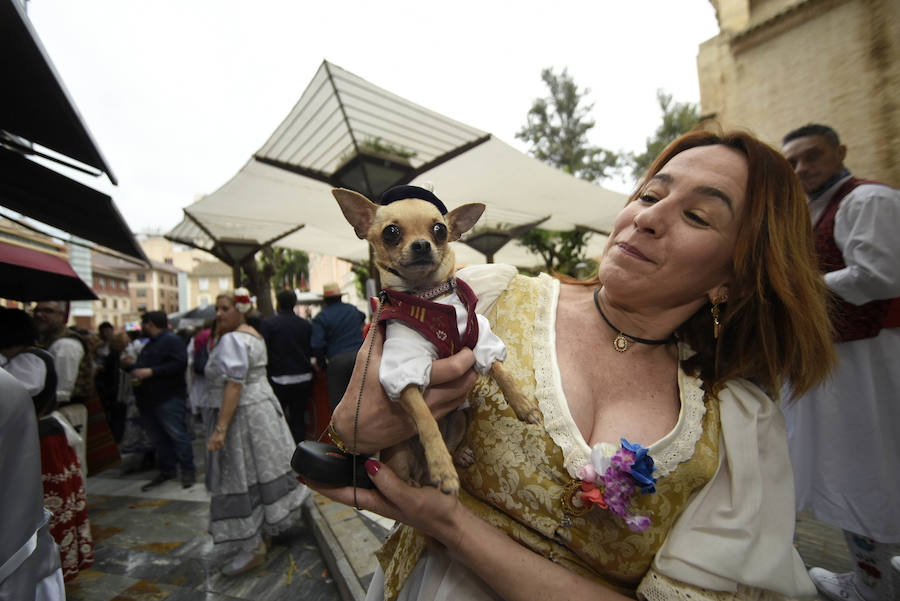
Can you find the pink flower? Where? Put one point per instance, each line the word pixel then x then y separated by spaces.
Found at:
pixel 587 473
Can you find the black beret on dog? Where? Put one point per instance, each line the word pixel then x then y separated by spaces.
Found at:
pixel 403 192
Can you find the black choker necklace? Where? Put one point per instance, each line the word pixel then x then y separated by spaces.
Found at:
pixel 623 341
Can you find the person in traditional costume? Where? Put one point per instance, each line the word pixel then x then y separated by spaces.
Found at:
pixel 660 468
pixel 855 413
pixel 75 390
pixel 254 493
pixel 29 558
pixel 64 492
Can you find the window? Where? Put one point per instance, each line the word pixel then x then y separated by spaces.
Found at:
pixel 115 304
pixel 224 283
pixel 142 308
pixel 203 283
pixel 141 276
pixel 203 299
pixel 102 282
pixel 169 260
pixel 122 285
pixel 142 293
pixel 103 303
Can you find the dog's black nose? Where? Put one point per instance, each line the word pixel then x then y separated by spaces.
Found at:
pixel 421 247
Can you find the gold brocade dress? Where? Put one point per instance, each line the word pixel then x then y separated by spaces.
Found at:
pixel 523 472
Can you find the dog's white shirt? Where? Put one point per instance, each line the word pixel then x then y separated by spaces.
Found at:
pixel 408 355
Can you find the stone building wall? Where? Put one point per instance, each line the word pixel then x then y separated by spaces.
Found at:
pixel 780 64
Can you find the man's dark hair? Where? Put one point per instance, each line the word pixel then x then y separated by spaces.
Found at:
pixel 286 300
pixel 16 328
pixel 157 318
pixel 813 129
pixel 105 324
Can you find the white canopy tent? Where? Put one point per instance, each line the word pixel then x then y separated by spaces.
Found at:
pixel 282 194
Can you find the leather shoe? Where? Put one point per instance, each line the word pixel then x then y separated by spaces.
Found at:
pixel 188 480
pixel 160 478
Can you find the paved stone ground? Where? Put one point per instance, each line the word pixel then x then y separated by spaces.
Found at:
pixel 154 546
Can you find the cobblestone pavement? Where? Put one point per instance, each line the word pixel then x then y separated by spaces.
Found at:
pixel 154 545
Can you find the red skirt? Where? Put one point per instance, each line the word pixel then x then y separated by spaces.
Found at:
pixel 65 497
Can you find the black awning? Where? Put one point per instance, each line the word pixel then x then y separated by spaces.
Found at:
pixel 43 194
pixel 34 103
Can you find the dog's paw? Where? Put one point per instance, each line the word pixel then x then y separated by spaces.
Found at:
pixel 444 478
pixel 526 409
pixel 464 457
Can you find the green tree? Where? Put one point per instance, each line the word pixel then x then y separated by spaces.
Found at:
pixel 557 128
pixel 291 267
pixel 563 252
pixel 275 268
pixel 677 118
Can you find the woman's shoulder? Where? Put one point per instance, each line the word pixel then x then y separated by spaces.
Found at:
pixel 490 281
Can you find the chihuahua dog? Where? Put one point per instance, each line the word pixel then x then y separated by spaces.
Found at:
pixel 428 314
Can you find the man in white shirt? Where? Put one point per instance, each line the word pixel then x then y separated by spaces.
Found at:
pixel 843 434
pixel 74 369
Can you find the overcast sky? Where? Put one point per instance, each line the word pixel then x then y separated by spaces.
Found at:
pixel 179 94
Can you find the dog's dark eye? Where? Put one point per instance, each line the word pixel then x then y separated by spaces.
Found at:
pixel 391 235
pixel 439 232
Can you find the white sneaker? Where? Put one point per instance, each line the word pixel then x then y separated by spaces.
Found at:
pixel 837 587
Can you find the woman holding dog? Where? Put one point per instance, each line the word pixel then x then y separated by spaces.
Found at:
pixel 660 468
pixel 253 491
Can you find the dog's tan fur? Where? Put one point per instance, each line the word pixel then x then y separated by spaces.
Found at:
pixel 403 268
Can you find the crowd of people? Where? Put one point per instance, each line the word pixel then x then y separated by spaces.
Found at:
pixel 737 387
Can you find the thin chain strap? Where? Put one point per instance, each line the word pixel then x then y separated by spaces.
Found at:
pixel 381 299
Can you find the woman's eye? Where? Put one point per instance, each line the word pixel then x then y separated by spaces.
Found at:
pixel 648 198
pixel 696 218
pixel 391 235
pixel 439 232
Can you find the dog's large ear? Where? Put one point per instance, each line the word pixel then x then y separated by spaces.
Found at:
pixel 357 209
pixel 461 219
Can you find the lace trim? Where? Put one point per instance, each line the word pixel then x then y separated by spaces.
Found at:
pixel 674 448
pixel 656 587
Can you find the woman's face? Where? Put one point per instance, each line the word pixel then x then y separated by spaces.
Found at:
pixel 228 318
pixel 673 246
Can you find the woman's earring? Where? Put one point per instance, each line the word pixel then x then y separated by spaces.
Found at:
pixel 715 313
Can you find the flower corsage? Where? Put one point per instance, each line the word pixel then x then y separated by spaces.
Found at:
pixel 609 481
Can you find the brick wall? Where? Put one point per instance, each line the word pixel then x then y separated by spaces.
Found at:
pixel 830 61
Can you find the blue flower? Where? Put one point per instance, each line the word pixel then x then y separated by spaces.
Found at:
pixel 642 468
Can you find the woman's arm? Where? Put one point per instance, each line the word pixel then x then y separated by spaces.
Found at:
pixel 511 570
pixel 383 423
pixel 229 405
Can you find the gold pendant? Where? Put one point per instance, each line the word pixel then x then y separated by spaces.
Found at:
pixel 621 343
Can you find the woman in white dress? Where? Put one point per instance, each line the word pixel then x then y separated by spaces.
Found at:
pixel 254 491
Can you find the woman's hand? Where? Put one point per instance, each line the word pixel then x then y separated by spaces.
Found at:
pixel 216 441
pixel 383 423
pixel 425 508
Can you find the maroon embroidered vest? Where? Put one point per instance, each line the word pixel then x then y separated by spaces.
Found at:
pixel 850 322
pixel 435 321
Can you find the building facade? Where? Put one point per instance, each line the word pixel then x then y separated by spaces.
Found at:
pixel 206 281
pixel 111 283
pixel 154 288
pixel 779 64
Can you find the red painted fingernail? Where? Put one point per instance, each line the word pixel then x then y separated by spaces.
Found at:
pixel 301 480
pixel 372 466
